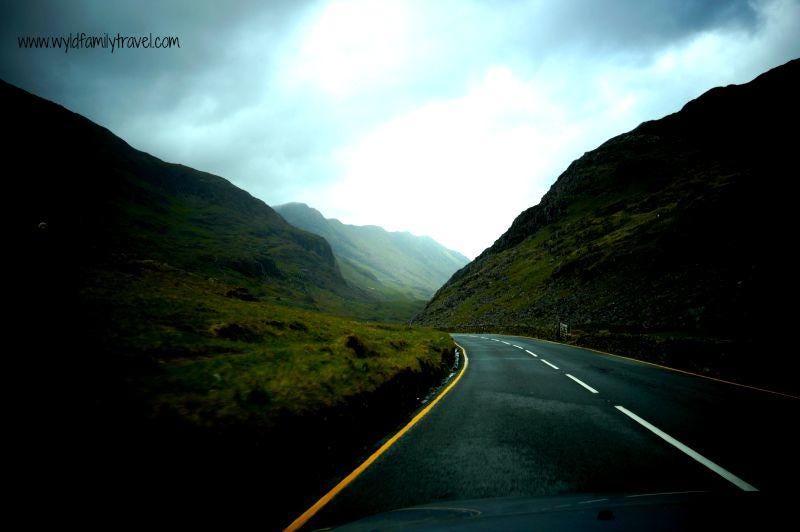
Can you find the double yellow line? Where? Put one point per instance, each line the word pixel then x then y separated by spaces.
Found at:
pixel 325 499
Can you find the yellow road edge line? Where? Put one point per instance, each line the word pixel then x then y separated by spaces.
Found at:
pixel 325 499
pixel 659 366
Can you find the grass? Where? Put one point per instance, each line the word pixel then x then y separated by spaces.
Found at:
pixel 189 351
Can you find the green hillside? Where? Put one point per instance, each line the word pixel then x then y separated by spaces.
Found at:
pixel 392 264
pixel 668 242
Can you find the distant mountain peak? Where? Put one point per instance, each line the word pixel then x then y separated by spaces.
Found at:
pixel 401 262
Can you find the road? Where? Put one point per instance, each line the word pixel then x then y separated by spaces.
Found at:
pixel 533 418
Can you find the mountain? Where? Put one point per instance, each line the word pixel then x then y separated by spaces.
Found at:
pixel 670 241
pixel 86 199
pixel 390 263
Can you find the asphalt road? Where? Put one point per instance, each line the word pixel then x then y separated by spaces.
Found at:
pixel 520 424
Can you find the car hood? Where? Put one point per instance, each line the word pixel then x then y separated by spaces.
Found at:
pixel 689 510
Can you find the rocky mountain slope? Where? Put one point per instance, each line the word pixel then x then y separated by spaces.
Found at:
pixel 670 241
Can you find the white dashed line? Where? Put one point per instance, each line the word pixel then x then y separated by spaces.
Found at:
pixel 548 363
pixel 664 493
pixel 582 383
pixel 592 501
pixel 531 353
pixel 721 471
pixel 505 342
pixel 518 347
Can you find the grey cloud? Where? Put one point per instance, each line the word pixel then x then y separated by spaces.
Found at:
pixel 226 58
pixel 215 58
pixel 637 24
pixel 96 81
pixel 218 103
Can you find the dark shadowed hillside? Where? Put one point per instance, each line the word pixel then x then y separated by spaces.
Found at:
pixel 103 203
pixel 391 264
pixel 671 241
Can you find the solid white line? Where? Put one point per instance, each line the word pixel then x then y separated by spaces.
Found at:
pixel 531 353
pixel 548 363
pixel 721 471
pixel 582 383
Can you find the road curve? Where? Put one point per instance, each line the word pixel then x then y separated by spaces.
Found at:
pixel 533 418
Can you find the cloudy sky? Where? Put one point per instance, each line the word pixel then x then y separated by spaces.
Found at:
pixel 440 117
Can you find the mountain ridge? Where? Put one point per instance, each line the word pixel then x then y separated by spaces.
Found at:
pixel 394 263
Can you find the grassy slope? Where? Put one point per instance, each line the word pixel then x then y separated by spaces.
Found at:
pixel 212 358
pixel 394 264
pixel 664 242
